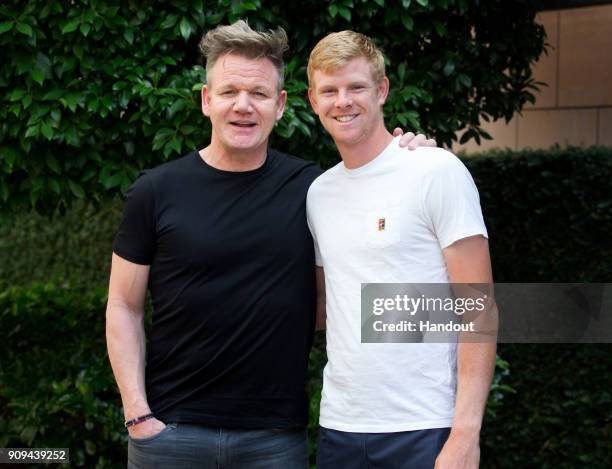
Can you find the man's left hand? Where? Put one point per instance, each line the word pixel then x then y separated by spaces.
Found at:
pixel 412 141
pixel 461 451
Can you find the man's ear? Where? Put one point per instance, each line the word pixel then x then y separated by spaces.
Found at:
pixel 282 101
pixel 313 101
pixel 383 90
pixel 205 98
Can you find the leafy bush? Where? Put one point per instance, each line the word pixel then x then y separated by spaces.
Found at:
pixel 560 413
pixel 95 90
pixel 71 246
pixel 549 213
pixel 56 386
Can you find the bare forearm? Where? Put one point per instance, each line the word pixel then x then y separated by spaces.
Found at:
pixel 125 340
pixel 321 301
pixel 475 364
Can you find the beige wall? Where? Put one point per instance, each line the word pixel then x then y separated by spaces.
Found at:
pixel 576 106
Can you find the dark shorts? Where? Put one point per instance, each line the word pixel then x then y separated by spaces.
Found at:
pixel 399 450
pixel 184 446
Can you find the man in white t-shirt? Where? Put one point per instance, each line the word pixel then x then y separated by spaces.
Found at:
pixel 377 218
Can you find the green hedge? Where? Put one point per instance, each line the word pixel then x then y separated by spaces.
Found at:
pixel 560 413
pixel 549 213
pixel 549 216
pixel 93 91
pixel 56 386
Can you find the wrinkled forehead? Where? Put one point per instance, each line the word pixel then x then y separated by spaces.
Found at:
pixel 234 66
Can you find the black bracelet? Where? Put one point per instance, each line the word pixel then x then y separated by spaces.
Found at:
pixel 137 420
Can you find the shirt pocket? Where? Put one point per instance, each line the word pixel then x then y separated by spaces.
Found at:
pixel 382 223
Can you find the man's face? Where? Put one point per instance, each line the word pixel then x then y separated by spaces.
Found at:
pixel 243 102
pixel 348 101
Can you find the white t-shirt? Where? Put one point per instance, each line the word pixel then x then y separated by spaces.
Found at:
pixel 428 200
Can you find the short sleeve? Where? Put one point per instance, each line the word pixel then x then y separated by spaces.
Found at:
pixel 136 237
pixel 451 202
pixel 318 260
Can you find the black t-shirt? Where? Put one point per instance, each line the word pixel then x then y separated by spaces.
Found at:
pixel 233 289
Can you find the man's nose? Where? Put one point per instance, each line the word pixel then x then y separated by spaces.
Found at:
pixel 343 99
pixel 243 102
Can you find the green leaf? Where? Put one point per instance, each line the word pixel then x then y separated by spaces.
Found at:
pixel 440 28
pixel 449 68
pixel 71 26
pixel 177 106
pixel 53 185
pixel 406 3
pixel 345 13
pixel 53 95
pixel 6 26
pixel 24 29
pixel 112 181
pixel 169 21
pixel 17 94
pixel 185 27
pixel 85 28
pixel 423 2
pixel 32 131
pixel 129 148
pixel 46 130
pixel 465 80
pixel 78 50
pixel 53 164
pixel 44 63
pixel 71 101
pixel 76 189
pixel 38 76
pixel 407 21
pixel 128 35
pixel 333 10
pixel 34 196
pixel 401 71
pixel 380 2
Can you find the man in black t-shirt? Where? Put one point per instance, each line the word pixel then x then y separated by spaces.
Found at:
pixel 220 239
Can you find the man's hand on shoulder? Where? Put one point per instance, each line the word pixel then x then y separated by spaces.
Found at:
pixel 412 141
pixel 461 451
pixel 146 429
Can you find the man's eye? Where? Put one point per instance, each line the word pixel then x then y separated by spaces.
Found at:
pixel 260 94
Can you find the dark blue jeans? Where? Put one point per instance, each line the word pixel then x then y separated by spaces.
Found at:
pixel 399 450
pixel 185 446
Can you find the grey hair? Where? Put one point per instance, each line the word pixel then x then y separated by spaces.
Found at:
pixel 238 38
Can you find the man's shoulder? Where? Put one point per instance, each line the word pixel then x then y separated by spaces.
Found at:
pixel 329 176
pixel 328 180
pixel 174 167
pixel 295 164
pixel 428 161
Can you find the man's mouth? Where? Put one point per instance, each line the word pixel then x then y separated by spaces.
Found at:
pixel 347 118
pixel 243 124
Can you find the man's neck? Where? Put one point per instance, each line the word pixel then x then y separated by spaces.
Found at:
pixel 355 156
pixel 218 157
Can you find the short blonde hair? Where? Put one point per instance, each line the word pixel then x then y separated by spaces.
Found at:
pixel 336 49
pixel 238 38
